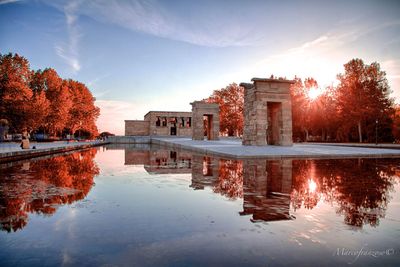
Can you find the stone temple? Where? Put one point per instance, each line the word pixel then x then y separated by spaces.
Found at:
pixel 267 117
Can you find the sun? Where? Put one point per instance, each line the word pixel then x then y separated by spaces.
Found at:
pixel 312 186
pixel 314 93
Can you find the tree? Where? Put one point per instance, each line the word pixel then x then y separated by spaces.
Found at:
pixel 304 109
pixel 83 113
pixel 324 111
pixel 230 100
pixel 58 96
pixel 41 100
pixel 396 124
pixel 15 94
pixel 363 98
pixel 39 110
pixel 106 134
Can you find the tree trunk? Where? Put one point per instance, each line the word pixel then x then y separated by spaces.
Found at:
pixel 359 132
pixel 323 135
pixel 306 131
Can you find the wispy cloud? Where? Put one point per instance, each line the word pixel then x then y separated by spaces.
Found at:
pixel 3 2
pixel 95 80
pixel 152 18
pixel 69 51
pixel 322 58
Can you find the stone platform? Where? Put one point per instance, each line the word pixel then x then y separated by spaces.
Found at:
pixel 233 148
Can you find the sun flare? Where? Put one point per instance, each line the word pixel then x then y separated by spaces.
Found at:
pixel 312 186
pixel 314 93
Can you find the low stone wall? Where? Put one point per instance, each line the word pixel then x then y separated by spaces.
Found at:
pixel 129 139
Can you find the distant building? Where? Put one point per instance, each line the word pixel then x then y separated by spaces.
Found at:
pixel 161 123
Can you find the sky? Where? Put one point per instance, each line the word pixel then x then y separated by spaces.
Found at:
pixel 136 55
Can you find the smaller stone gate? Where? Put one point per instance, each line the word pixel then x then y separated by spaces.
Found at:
pixel 205 120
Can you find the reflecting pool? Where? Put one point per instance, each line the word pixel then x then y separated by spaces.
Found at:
pixel 147 206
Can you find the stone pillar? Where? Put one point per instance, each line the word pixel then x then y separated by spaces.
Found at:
pixel 200 109
pixel 267 112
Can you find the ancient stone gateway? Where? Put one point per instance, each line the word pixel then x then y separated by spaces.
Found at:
pixel 205 120
pixel 267 112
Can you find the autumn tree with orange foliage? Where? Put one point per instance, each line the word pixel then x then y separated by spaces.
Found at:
pixel 57 95
pixel 231 101
pixel 15 94
pixel 83 108
pixel 313 116
pixel 363 100
pixel 396 123
pixel 41 101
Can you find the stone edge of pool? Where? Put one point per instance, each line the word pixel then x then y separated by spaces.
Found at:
pixel 232 148
pixel 9 156
pixel 229 148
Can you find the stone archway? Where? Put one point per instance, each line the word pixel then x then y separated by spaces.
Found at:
pixel 205 120
pixel 267 112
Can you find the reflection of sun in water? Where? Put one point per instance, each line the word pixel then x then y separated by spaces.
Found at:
pixel 314 93
pixel 312 186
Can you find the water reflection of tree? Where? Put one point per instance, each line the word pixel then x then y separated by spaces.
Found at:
pixel 305 185
pixel 359 187
pixel 230 179
pixel 40 186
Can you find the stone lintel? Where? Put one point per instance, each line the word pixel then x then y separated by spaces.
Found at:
pixel 272 80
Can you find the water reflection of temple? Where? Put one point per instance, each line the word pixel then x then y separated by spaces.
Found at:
pixel 157 161
pixel 205 171
pixel 267 187
pixel 264 185
pixel 273 189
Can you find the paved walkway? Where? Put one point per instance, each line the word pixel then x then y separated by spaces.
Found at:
pixel 234 148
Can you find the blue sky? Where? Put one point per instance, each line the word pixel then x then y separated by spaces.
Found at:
pixel 137 56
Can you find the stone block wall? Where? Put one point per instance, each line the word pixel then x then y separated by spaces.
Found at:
pixel 165 129
pixel 136 128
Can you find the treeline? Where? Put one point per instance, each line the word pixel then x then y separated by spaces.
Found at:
pixel 358 109
pixel 42 102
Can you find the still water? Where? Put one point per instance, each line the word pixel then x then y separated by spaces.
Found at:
pixel 147 206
